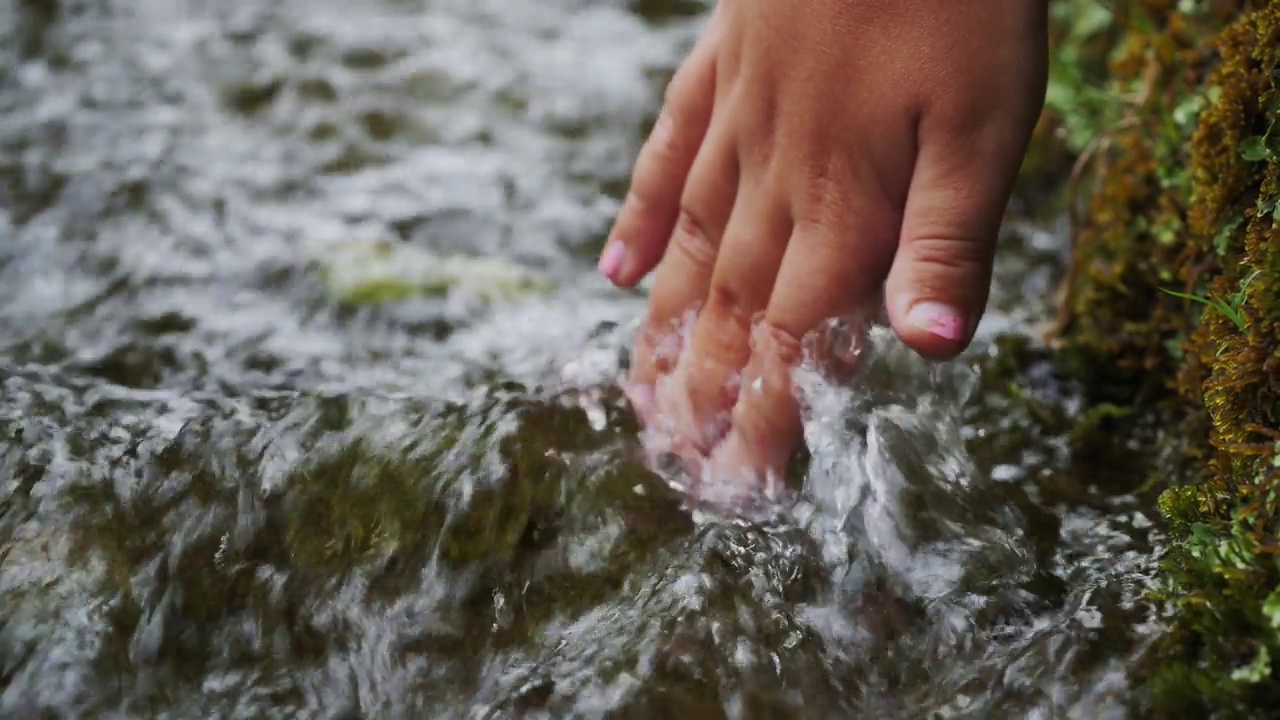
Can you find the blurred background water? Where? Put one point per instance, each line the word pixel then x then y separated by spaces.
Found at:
pixel 309 405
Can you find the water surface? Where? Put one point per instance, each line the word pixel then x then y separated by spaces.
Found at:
pixel 232 487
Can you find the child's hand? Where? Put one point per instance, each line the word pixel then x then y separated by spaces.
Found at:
pixel 808 153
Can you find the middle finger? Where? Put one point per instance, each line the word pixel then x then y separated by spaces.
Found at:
pixel 747 266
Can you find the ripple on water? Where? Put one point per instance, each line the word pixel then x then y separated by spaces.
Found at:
pixel 509 552
pixel 226 493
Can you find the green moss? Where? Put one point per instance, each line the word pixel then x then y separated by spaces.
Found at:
pixel 1077 100
pixel 1078 105
pixel 383 291
pixel 380 273
pixel 1174 298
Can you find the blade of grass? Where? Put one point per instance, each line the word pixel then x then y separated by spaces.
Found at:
pixel 1231 313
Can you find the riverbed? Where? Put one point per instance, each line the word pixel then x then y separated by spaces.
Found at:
pixel 309 405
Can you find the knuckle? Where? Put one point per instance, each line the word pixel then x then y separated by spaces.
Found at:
pixel 759 138
pixel 823 192
pixel 666 140
pixel 636 201
pixel 691 239
pixel 725 329
pixel 955 252
pixel 726 304
pixel 667 136
pixel 963 118
pixel 761 156
pixel 776 344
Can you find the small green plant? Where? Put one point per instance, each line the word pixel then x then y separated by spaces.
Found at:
pixel 1076 92
pixel 1256 148
pixel 1229 306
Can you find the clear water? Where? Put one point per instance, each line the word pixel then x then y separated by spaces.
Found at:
pixel 227 493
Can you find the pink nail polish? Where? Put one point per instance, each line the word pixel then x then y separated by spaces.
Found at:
pixel 938 319
pixel 611 260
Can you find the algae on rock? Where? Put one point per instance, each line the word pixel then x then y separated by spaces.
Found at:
pixel 374 273
pixel 1174 299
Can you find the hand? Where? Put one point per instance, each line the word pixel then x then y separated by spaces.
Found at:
pixel 808 154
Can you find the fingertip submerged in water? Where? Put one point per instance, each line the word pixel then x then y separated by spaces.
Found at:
pixel 741 457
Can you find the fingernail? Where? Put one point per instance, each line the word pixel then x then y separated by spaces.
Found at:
pixel 938 319
pixel 611 260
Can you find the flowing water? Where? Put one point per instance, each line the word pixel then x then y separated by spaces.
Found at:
pixel 310 405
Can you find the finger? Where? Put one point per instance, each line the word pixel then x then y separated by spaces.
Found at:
pixel 648 214
pixel 751 252
pixel 833 265
pixel 937 289
pixel 684 274
pixel 766 419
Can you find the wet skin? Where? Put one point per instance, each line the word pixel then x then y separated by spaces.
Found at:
pixel 809 156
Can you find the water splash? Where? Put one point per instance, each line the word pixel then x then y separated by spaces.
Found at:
pixel 222 493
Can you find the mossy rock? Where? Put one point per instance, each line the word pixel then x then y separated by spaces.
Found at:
pixel 1174 301
pixel 248 520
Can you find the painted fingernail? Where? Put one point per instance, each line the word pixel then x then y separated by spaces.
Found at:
pixel 611 260
pixel 938 319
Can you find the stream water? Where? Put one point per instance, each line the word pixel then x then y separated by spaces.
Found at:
pixel 232 486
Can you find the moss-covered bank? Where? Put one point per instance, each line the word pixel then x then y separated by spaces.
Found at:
pixel 1174 302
